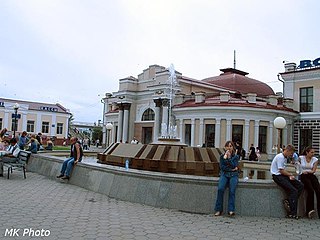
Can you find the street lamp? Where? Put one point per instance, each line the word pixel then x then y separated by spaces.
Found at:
pixel 279 123
pixel 15 107
pixel 109 126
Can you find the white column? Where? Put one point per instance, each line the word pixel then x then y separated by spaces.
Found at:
pixel 120 123
pixel 181 131
pixel 104 135
pixel 270 140
pixel 39 123
pixel 156 126
pixel 113 133
pixel 256 133
pixel 217 133
pixel 6 120
pixel 285 136
pixel 228 131
pixel 125 123
pixel 201 132
pixel 193 130
pixel 165 111
pixel 24 121
pixel 245 144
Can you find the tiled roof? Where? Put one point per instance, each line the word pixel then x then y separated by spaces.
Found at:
pixel 236 80
pixel 38 105
pixel 233 102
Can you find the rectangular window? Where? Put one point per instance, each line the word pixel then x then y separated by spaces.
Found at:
pixel 59 128
pixel 0 123
pixel 30 126
pixel 45 127
pixel 263 139
pixel 237 133
pixel 306 99
pixel 187 134
pixel 305 139
pixel 210 135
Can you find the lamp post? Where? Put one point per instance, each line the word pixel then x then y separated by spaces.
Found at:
pixel 279 123
pixel 109 126
pixel 15 107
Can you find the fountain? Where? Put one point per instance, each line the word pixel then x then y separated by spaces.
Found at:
pixel 169 131
pixel 167 154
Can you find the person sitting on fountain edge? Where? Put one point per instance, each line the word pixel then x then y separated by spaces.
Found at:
pixel 76 154
pixel 287 181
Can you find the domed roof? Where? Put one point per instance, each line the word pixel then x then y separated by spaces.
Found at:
pixel 236 80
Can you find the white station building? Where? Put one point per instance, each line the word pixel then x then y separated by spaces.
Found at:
pixel 52 120
pixel 207 112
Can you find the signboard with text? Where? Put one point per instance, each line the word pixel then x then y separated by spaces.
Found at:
pixel 309 63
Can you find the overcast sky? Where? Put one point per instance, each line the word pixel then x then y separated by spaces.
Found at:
pixel 74 51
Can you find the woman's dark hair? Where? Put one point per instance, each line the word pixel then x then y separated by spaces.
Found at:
pixel 306 150
pixel 233 146
pixel 3 131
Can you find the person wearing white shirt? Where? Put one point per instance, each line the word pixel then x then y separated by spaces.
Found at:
pixel 134 141
pixel 309 164
pixel 10 155
pixel 286 180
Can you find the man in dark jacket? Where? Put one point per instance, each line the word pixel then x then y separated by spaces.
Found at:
pixel 76 154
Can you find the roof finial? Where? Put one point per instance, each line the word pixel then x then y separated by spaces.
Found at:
pixel 234 59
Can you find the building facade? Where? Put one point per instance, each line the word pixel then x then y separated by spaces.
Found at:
pixel 205 112
pixel 302 83
pixel 52 120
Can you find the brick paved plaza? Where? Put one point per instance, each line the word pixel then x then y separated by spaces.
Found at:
pixel 56 210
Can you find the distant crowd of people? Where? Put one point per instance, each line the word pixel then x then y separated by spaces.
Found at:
pixel 25 141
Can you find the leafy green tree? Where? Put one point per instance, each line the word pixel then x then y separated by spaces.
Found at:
pixel 97 134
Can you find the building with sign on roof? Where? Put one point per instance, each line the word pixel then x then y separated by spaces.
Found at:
pixel 52 120
pixel 302 83
pixel 206 112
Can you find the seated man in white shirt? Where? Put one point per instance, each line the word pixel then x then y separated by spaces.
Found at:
pixel 286 180
pixel 10 155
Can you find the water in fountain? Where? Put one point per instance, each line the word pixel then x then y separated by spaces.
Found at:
pixel 172 80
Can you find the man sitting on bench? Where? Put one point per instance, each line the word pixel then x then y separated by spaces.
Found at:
pixel 76 154
pixel 10 155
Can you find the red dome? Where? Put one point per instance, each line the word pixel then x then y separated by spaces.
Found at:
pixel 236 80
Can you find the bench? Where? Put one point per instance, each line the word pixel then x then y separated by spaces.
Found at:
pixel 20 164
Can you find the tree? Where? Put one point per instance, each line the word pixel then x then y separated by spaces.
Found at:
pixel 97 133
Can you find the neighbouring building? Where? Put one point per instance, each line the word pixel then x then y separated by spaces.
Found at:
pixel 208 112
pixel 302 83
pixel 52 120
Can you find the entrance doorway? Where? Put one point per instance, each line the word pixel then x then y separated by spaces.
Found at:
pixel 146 135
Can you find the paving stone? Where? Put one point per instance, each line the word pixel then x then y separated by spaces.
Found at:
pixel 70 212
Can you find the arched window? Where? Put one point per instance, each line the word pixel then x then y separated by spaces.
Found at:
pixel 148 115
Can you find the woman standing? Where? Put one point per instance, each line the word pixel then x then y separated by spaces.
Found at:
pixel 252 153
pixel 228 176
pixel 309 165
